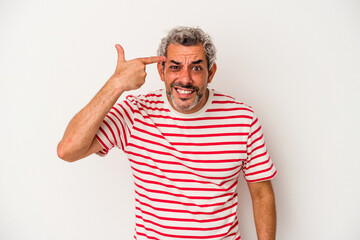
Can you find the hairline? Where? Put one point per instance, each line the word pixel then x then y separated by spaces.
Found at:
pixel 189 36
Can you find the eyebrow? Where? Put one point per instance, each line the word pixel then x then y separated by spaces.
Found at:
pixel 177 63
pixel 195 62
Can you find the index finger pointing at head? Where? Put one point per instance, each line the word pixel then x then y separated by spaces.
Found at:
pixel 155 59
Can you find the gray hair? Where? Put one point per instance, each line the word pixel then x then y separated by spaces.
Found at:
pixel 189 36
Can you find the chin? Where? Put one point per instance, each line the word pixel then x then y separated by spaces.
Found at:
pixel 184 107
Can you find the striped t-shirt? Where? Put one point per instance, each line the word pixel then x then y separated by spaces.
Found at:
pixel 186 166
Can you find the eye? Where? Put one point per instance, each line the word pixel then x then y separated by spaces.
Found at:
pixel 174 67
pixel 197 68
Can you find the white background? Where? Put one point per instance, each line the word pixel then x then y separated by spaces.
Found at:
pixel 295 62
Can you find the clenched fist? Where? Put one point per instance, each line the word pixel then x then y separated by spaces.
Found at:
pixel 130 75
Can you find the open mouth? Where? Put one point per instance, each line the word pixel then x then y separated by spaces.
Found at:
pixel 184 91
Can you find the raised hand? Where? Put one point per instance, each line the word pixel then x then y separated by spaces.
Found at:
pixel 79 137
pixel 130 75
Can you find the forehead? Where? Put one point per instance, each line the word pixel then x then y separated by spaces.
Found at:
pixel 179 52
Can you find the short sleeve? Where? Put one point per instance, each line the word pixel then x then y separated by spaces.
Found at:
pixel 115 129
pixel 258 166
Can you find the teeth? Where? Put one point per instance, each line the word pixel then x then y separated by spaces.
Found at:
pixel 183 91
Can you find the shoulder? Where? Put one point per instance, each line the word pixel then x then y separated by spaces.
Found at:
pixel 145 103
pixel 226 102
pixel 149 98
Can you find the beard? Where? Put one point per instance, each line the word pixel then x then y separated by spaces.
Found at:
pixel 190 87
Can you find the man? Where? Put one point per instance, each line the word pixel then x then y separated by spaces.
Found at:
pixel 187 144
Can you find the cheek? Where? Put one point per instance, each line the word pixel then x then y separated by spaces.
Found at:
pixel 169 78
pixel 167 81
pixel 202 81
pixel 167 74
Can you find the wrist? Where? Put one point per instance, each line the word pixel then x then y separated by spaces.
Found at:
pixel 116 86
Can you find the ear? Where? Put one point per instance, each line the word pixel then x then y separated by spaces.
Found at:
pixel 212 72
pixel 161 71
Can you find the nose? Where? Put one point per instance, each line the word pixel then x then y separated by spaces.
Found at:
pixel 185 75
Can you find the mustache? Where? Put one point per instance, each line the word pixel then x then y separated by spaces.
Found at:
pixel 187 86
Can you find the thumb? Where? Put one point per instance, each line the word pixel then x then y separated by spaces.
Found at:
pixel 121 54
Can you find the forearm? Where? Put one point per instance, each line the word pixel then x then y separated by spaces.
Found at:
pixel 82 129
pixel 265 217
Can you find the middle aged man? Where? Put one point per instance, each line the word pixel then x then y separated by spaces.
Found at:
pixel 187 144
